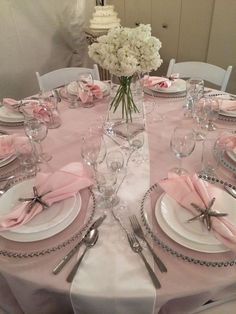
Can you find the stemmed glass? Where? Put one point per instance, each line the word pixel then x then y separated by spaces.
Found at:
pixel 182 144
pixel 106 184
pixel 93 149
pixel 37 130
pixel 136 142
pixel 152 103
pixel 115 160
pixel 211 110
pixel 194 91
pixel 115 163
pixel 85 81
pixel 26 155
pixel 199 117
pixel 72 91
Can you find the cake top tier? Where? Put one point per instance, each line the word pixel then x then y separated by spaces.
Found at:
pixel 104 17
pixel 106 10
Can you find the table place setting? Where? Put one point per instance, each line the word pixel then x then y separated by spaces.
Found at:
pixel 172 87
pixel 40 207
pixel 85 92
pixel 107 225
pixel 43 106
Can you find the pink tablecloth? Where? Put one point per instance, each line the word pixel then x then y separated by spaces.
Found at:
pixel 28 286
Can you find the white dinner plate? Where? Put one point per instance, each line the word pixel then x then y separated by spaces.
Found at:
pixel 102 86
pixel 231 155
pixel 5 161
pixel 228 113
pixel 46 224
pixel 172 218
pixel 177 86
pixel 9 116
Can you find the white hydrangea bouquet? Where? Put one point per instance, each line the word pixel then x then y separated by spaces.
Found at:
pixel 125 52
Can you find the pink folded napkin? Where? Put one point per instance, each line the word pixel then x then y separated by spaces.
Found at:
pixel 228 141
pixel 30 107
pixel 190 189
pixel 228 105
pixel 11 104
pixel 57 186
pixel 150 81
pixel 87 92
pixel 8 144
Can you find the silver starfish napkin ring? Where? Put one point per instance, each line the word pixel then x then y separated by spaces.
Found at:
pixel 35 199
pixel 205 214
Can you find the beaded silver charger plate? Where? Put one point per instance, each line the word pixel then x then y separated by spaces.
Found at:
pixel 66 238
pixel 225 160
pixel 154 231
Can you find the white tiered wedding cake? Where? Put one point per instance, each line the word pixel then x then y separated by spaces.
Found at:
pixel 104 18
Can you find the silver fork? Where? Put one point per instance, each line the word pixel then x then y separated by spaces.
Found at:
pixel 139 232
pixel 137 248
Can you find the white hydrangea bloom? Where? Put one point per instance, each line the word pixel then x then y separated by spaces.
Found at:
pixel 124 51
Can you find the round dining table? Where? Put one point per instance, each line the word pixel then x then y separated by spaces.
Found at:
pixel 112 278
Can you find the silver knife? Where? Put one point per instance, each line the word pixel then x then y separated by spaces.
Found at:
pixel 230 190
pixel 72 252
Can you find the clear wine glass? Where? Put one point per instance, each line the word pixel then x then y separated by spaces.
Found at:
pixel 93 150
pixel 72 91
pixel 199 117
pixel 194 91
pixel 115 160
pixel 27 159
pixel 211 110
pixel 85 81
pixel 182 144
pixel 106 184
pixel 136 143
pixel 37 130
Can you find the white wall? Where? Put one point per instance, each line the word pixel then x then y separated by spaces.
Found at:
pixel 39 35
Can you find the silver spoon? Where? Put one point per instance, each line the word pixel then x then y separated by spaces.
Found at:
pixel 6 186
pixel 90 240
pixel 230 190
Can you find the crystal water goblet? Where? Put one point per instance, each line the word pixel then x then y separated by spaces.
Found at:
pixel 37 130
pixel 27 159
pixel 106 180
pixel 72 91
pixel 182 144
pixel 199 118
pixel 93 150
pixel 194 91
pixel 115 160
pixel 152 107
pixel 212 151
pixel 85 82
pixel 136 142
pixel 49 104
pixel 211 109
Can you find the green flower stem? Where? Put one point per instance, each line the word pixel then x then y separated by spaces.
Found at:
pixel 125 98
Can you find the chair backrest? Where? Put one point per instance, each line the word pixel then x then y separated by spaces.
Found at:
pixel 63 76
pixel 206 71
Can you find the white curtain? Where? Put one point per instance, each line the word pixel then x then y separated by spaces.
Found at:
pixel 40 35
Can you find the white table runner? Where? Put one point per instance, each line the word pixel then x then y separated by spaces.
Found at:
pixel 112 278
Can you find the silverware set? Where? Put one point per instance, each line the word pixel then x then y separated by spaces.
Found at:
pixel 137 248
pixel 89 240
pixel 139 232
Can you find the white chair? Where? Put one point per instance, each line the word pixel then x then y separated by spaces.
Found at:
pixel 60 77
pixel 206 71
